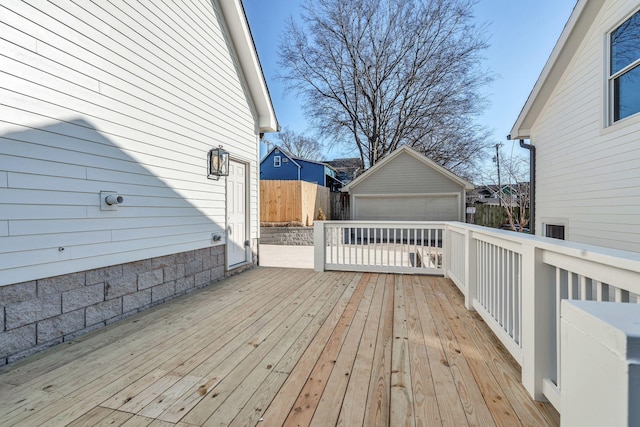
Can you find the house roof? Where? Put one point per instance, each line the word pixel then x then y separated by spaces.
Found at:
pixel 583 15
pixel 245 49
pixel 285 152
pixel 405 149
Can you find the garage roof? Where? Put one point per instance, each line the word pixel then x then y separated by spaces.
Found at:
pixel 405 149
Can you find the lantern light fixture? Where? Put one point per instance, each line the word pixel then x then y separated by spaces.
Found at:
pixel 218 163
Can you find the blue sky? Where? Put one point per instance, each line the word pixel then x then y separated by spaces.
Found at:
pixel 521 36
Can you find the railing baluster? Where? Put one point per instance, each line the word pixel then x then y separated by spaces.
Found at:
pixel 424 265
pixel 503 286
pixel 598 286
pixel 583 287
pixel 487 272
pixel 329 241
pixel 368 246
pixel 415 247
pixel 558 338
pixel 570 286
pixel 517 299
pixel 375 246
pixel 395 247
pixel 496 273
pixel 508 295
pixel 402 247
pixel 362 245
pixel 492 280
pixel 483 274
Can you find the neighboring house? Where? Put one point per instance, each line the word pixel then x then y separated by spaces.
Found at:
pixel 279 164
pixel 406 185
pixel 128 98
pixel 583 120
pixel 490 194
pixel 484 194
pixel 346 169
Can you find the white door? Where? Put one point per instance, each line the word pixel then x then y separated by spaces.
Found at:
pixel 236 214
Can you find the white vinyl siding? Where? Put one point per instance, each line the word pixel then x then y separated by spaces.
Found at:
pixel 588 172
pixel 117 97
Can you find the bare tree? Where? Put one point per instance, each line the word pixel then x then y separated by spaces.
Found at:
pixel 300 145
pixel 382 73
pixel 514 192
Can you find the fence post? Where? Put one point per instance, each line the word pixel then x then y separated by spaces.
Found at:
pixel 470 269
pixel 319 246
pixel 538 321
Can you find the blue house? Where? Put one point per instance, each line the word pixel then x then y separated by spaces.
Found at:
pixel 279 164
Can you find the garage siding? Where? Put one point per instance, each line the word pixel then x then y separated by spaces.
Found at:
pixel 407 187
pixel 406 174
pixel 407 208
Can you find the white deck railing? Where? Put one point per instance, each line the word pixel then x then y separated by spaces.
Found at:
pixel 395 247
pixel 514 281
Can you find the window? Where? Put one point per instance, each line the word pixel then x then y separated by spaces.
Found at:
pixel 554 231
pixel 624 69
pixel 276 161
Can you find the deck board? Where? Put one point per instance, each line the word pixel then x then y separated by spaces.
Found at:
pixel 275 347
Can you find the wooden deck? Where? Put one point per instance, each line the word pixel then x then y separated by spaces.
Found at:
pixel 282 347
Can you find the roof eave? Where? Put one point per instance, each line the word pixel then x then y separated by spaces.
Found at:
pixel 583 15
pixel 463 182
pixel 287 155
pixel 244 45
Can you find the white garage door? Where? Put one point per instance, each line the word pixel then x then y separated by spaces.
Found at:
pixel 407 208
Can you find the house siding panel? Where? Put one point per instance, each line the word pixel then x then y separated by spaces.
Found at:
pixel 291 169
pixel 312 172
pixel 115 97
pixel 588 172
pixel 286 171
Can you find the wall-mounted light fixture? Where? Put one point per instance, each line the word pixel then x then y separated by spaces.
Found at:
pixel 218 163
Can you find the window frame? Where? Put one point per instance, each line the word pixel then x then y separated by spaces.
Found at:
pixel 611 78
pixel 277 161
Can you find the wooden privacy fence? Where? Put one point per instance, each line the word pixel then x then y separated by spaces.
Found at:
pixel 494 216
pixel 292 202
pixel 340 206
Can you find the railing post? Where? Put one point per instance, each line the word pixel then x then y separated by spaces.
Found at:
pixel 446 251
pixel 470 269
pixel 319 246
pixel 538 321
pixel 600 365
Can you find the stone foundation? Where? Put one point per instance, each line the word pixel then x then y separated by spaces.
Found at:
pixel 41 313
pixel 295 236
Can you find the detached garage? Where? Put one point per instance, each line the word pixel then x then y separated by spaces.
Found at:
pixel 407 186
